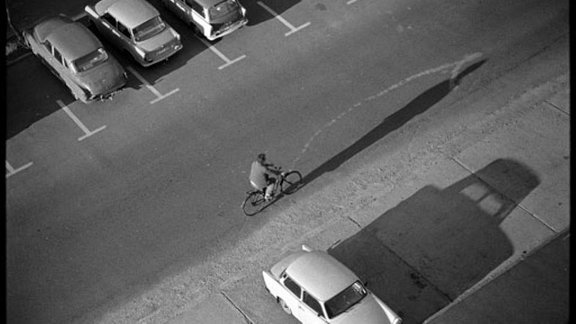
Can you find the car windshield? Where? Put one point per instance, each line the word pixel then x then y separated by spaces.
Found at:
pixel 345 299
pixel 223 8
pixel 148 29
pixel 89 61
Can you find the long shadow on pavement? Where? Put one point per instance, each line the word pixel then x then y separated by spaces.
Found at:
pixel 393 122
pixel 423 253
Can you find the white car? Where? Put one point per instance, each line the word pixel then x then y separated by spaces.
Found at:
pixel 316 288
pixel 211 18
pixel 135 26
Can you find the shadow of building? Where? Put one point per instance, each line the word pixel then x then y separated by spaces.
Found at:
pixel 433 246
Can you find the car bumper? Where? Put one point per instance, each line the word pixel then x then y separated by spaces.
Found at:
pixel 161 55
pixel 227 29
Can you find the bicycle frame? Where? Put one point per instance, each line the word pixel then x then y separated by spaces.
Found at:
pixel 255 201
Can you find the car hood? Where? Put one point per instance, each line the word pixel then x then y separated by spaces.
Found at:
pixel 103 78
pixel 368 311
pixel 166 37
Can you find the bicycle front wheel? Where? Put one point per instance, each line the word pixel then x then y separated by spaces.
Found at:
pixel 291 182
pixel 253 204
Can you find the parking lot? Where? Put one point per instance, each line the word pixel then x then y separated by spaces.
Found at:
pixel 203 70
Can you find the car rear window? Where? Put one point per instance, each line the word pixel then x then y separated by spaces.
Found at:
pixel 345 299
pixel 89 61
pixel 149 29
pixel 222 8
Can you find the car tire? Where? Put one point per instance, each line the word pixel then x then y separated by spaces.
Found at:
pixel 284 306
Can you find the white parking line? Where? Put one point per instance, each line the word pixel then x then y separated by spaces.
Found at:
pixel 351 2
pixel 150 87
pixel 87 132
pixel 12 171
pixel 222 56
pixel 284 21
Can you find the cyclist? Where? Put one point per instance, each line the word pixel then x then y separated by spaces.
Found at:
pixel 261 176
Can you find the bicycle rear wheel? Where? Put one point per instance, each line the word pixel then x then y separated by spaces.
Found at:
pixel 253 204
pixel 291 182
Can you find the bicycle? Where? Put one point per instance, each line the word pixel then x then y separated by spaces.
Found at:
pixel 287 182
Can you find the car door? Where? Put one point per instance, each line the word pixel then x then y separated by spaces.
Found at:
pixel 198 13
pixel 292 295
pixel 310 311
pixel 61 68
pixel 109 27
pixel 53 58
pixel 289 291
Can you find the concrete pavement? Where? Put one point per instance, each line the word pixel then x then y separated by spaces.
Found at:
pixel 497 203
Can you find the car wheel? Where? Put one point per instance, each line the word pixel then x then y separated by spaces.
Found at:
pixel 284 306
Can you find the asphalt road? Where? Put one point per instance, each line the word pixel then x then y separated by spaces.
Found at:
pixel 96 221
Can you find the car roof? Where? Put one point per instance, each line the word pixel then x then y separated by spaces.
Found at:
pixel 71 38
pixel 320 274
pixel 131 13
pixel 209 3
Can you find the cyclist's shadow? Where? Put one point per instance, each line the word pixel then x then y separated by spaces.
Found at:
pixel 393 122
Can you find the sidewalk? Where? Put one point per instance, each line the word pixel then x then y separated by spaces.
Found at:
pixel 533 291
pixel 516 172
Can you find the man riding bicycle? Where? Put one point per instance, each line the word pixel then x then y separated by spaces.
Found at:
pixel 262 176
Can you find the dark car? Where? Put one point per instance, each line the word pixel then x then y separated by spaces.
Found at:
pixel 77 57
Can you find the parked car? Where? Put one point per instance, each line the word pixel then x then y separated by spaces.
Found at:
pixel 136 27
pixel 77 57
pixel 211 18
pixel 316 288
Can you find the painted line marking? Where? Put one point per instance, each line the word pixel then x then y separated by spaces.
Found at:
pixel 157 93
pixel 12 171
pixel 284 21
pixel 220 55
pixel 453 68
pixel 351 2
pixel 87 132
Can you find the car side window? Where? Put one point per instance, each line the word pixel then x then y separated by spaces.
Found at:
pixel 312 303
pixel 57 55
pixel 48 47
pixel 292 286
pixel 108 17
pixel 195 6
pixel 124 30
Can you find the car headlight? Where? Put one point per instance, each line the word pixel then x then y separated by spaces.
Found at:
pixel 176 35
pixel 86 92
pixel 140 52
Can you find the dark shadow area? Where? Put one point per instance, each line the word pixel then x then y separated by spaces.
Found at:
pixel 423 253
pixel 257 14
pixel 533 291
pixel 393 122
